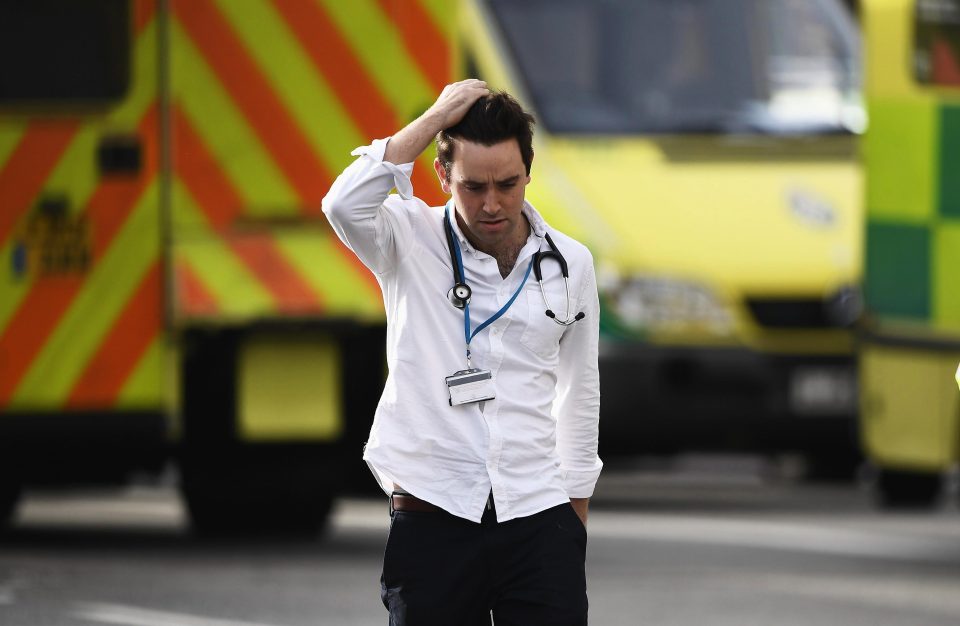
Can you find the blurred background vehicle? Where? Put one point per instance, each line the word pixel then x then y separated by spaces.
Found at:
pixel 706 151
pixel 170 291
pixel 910 343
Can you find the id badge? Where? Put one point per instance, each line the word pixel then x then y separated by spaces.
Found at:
pixel 472 385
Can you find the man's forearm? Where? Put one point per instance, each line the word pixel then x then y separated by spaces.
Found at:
pixel 410 142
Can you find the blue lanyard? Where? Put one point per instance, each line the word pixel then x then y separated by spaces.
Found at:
pixel 467 335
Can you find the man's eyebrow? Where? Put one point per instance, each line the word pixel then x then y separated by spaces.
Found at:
pixel 481 183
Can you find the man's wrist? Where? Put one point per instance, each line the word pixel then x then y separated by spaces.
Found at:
pixel 581 506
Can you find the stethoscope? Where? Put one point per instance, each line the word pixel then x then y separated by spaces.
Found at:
pixel 459 295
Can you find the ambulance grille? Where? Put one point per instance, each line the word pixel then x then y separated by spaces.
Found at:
pixel 790 312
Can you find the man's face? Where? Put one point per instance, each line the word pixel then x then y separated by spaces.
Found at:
pixel 487 184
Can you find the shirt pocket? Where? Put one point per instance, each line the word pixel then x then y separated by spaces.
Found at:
pixel 541 334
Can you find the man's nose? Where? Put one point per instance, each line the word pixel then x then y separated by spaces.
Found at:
pixel 491 203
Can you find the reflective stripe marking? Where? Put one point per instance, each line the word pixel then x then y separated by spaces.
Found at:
pixel 93 311
pixel 235 290
pixel 40 312
pixel 426 185
pixel 439 11
pixel 71 175
pixel 226 133
pixel 144 386
pixel 193 297
pixel 321 117
pixel 127 340
pixel 333 57
pixel 387 62
pixel 422 39
pixel 348 287
pixel 252 94
pixel 274 271
pixel 28 167
pixel 10 135
pixel 201 172
pixel 75 171
pixel 143 12
pixel 214 196
pixel 24 336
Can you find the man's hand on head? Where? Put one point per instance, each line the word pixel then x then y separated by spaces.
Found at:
pixel 455 100
pixel 452 104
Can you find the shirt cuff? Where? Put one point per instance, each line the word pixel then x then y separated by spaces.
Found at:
pixel 580 484
pixel 401 173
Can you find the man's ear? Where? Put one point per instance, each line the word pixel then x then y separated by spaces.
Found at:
pixel 442 175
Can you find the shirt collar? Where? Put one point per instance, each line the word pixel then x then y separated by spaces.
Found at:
pixel 538 226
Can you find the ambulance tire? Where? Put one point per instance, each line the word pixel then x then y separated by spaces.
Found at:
pixel 9 496
pixel 899 489
pixel 832 468
pixel 241 496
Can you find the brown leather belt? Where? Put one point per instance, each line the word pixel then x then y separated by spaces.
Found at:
pixel 406 502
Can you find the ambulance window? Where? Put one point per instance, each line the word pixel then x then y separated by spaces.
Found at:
pixel 687 66
pixel 55 52
pixel 936 42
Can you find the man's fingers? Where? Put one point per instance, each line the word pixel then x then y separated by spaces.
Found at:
pixel 456 98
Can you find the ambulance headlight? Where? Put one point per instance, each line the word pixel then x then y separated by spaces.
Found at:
pixel 667 305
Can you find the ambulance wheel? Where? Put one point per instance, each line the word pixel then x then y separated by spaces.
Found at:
pixel 898 489
pixel 232 495
pixel 9 496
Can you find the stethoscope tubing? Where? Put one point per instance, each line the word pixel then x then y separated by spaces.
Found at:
pixel 461 291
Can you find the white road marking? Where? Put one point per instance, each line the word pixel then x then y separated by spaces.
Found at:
pixel 892 593
pixel 125 615
pixel 8 590
pixel 921 537
pixel 774 534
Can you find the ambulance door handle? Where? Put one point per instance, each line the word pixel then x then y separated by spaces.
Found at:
pixel 119 155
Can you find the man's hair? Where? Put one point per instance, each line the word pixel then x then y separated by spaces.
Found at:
pixel 493 118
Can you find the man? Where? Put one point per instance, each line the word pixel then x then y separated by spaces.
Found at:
pixel 486 434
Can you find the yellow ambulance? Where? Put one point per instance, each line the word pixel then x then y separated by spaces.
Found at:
pixel 911 333
pixel 170 292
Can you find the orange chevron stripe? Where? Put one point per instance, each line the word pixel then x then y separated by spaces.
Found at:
pixel 254 96
pixel 219 201
pixel 291 291
pixel 195 164
pixel 193 297
pixel 333 57
pixel 37 316
pixel 426 186
pixel 143 11
pixel 28 167
pixel 428 47
pixel 123 347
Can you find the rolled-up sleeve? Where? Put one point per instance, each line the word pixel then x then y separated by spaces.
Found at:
pixel 356 207
pixel 577 404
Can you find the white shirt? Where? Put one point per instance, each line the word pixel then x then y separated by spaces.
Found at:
pixel 535 445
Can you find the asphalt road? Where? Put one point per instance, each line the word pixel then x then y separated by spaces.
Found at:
pixel 705 544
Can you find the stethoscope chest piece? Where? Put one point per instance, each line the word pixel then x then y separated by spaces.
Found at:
pixel 459 295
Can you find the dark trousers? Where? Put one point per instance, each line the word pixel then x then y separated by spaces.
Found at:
pixel 444 570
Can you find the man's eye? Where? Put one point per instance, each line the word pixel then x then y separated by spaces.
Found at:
pixel 507 185
pixel 473 188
